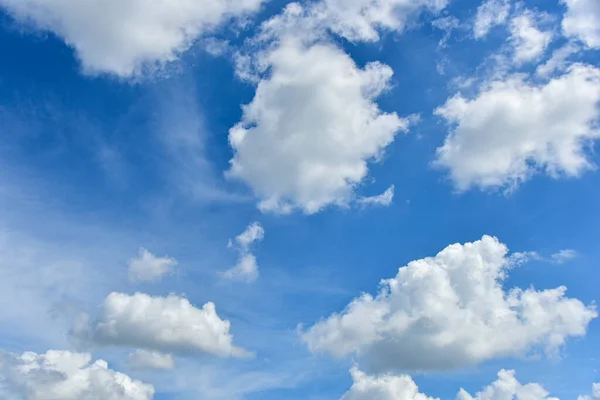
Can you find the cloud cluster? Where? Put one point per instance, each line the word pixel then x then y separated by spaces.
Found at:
pixel 165 324
pixel 246 268
pixel 63 375
pixel 147 267
pixel 128 37
pixel 515 128
pixel 402 387
pixel 449 311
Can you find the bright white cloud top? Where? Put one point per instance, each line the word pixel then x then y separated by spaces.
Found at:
pixel 581 21
pixel 383 387
pixel 402 387
pixel 449 311
pixel 63 375
pixel 166 324
pixel 306 138
pixel 508 387
pixel 147 267
pixel 128 37
pixel 514 129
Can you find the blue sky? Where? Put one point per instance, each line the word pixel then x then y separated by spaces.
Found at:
pixel 280 160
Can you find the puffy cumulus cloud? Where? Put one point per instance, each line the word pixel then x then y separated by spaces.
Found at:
pixel 595 393
pixel 402 387
pixel 581 21
pixel 448 311
pixel 147 267
pixel 306 138
pixel 528 41
pixel 490 13
pixel 508 387
pixel 384 199
pixel 63 375
pixel 361 20
pixel 168 324
pixel 246 268
pixel 144 359
pixel 127 37
pixel 384 387
pixel 514 128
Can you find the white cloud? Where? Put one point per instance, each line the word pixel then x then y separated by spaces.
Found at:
pixel 384 199
pixel 558 61
pixel 246 268
pixel 384 387
pixel 507 387
pixel 306 138
pixel 402 387
pixel 448 311
pixel 595 393
pixel 253 233
pixel 514 129
pixel 582 21
pixel 63 375
pixel 490 13
pixel 563 256
pixel 146 267
pixel 144 359
pixel 167 324
pixel 528 41
pixel 127 37
pixel 360 20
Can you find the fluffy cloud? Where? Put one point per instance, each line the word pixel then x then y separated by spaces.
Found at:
pixel 127 37
pixel 508 387
pixel 306 138
pixel 360 20
pixel 581 21
pixel 489 14
pixel 595 393
pixel 529 42
pixel 63 375
pixel 246 268
pixel 147 267
pixel 384 387
pixel 384 199
pixel 144 359
pixel 169 324
pixel 450 310
pixel 402 387
pixel 514 128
